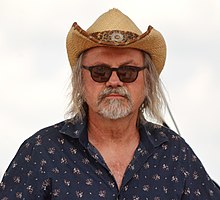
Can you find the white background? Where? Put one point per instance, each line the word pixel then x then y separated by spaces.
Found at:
pixel 34 69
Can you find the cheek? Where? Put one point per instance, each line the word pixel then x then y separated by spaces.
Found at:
pixel 139 95
pixel 139 92
pixel 91 91
pixel 87 83
pixel 90 97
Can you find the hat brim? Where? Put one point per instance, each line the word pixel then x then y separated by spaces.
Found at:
pixel 151 42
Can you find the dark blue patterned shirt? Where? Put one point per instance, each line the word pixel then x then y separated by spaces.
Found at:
pixel 59 163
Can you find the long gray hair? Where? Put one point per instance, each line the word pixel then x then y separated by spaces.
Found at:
pixel 151 109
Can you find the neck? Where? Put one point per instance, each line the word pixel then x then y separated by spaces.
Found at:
pixel 107 131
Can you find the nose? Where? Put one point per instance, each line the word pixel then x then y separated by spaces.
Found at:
pixel 114 80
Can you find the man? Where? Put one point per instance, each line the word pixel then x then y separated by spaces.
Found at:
pixel 107 149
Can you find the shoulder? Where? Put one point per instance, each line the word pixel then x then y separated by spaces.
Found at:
pixel 57 134
pixel 44 137
pixel 174 146
pixel 167 139
pixel 46 133
pixel 181 159
pixel 157 131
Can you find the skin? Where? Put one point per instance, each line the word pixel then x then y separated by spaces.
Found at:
pixel 116 140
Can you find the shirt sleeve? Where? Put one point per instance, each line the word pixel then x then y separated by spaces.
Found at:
pixel 25 178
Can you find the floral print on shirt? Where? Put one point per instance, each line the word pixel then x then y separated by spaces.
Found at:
pixel 59 163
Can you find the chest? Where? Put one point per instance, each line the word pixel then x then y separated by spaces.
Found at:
pixel 81 173
pixel 87 179
pixel 118 168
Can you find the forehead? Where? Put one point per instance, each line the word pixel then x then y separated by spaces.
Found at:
pixel 110 54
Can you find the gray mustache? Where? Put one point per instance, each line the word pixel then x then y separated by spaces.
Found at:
pixel 119 90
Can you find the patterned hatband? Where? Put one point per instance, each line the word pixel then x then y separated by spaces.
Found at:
pixel 114 37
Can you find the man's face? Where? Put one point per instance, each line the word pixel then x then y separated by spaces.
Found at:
pixel 113 98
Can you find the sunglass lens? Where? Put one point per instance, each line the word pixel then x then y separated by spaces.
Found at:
pixel 101 74
pixel 127 74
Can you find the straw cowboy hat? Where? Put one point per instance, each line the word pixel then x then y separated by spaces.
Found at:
pixel 114 29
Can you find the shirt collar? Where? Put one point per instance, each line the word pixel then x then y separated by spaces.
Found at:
pixel 74 129
pixel 151 135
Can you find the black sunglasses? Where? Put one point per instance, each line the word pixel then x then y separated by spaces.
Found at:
pixel 102 73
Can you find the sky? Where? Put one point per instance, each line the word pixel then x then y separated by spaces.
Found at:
pixel 35 71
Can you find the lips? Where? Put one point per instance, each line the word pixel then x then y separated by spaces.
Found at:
pixel 114 93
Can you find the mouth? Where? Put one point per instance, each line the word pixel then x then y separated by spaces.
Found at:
pixel 114 95
pixel 109 94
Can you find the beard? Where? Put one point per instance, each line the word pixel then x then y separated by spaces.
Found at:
pixel 114 108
